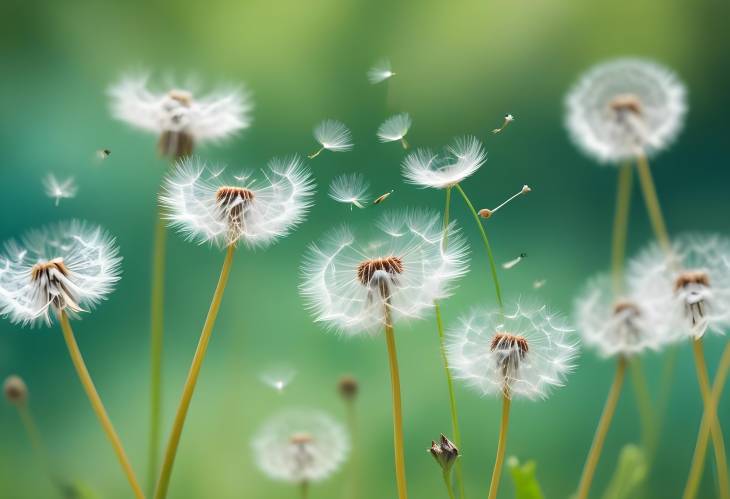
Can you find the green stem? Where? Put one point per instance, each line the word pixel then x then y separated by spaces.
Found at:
pixel 620 226
pixel 646 411
pixel 182 411
pixel 651 199
pixel 304 490
pixel 400 461
pixel 354 467
pixel 447 483
pixel 501 446
pixel 485 239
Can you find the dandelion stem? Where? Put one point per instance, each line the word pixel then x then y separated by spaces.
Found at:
pixel 316 153
pixel 652 203
pixel 703 436
pixel 156 344
pixel 187 395
pixel 404 142
pixel 604 424
pixel 96 403
pixel 646 411
pixel 304 490
pixel 447 482
pixel 353 482
pixel 501 446
pixel 400 463
pixel 492 264
pixel 710 410
pixel 620 226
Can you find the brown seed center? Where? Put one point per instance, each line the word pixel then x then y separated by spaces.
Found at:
pixel 228 196
pixel 508 341
pixel 626 103
pixel 691 277
pixel 301 438
pixel 625 306
pixel 43 268
pixel 183 97
pixel 367 269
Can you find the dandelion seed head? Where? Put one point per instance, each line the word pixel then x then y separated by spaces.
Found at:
pixel 380 72
pixel 458 161
pixel 301 446
pixel 208 205
pixel 350 188
pixel 623 108
pixel 522 354
pixel 59 189
pixel 334 136
pixel 394 128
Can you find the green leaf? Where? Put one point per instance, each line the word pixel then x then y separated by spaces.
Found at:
pixel 523 477
pixel 76 490
pixel 631 471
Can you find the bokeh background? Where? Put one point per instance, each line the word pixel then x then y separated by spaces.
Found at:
pixel 460 67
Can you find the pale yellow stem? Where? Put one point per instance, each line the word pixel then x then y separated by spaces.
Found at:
pixel 620 226
pixel 652 202
pixel 501 446
pixel 400 462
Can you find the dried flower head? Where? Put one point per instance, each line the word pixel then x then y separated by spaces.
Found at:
pixel 687 291
pixel 209 206
pixel 357 288
pixel 59 189
pixel 301 446
pixel 520 354
pixel 624 108
pixel 615 325
pixel 179 117
pixel 444 452
pixel 350 188
pixel 395 128
pixel 332 135
pixel 69 266
pixel 16 392
pixel 380 72
pixel 458 161
pixel 348 387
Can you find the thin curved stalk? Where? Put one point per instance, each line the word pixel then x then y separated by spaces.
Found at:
pixel 589 469
pixel 501 447
pixel 304 490
pixel 164 481
pixel 652 203
pixel 447 483
pixel 352 487
pixel 96 403
pixel 400 463
pixel 646 411
pixel 703 436
pixel 620 226
pixel 485 240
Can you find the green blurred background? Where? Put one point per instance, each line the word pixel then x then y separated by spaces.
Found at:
pixel 461 66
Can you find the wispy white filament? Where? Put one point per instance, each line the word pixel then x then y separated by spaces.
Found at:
pixel 350 188
pixel 459 160
pixel 333 135
pixel 394 128
pixel 380 72
pixel 59 189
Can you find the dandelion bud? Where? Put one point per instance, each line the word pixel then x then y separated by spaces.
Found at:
pixel 444 452
pixel 485 213
pixel 348 388
pixel 15 390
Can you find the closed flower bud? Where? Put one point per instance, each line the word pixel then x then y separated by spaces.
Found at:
pixel 348 388
pixel 15 390
pixel 444 452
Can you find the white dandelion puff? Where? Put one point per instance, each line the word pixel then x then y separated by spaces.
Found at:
pixel 300 447
pixel 332 135
pixel 350 189
pixel 59 189
pixel 208 206
pixel 522 354
pixel 380 72
pixel 395 128
pixel 458 161
pixel 349 285
pixel 181 118
pixel 615 325
pixel 278 377
pixel 686 291
pixel 625 108
pixel 69 267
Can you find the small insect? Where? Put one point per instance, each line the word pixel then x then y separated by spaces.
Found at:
pixel 512 263
pixel 382 198
pixel 486 212
pixel 103 153
pixel 539 283
pixel 508 118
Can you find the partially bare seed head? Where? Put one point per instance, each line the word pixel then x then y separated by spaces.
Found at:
pixel 392 265
pixel 691 277
pixel 508 341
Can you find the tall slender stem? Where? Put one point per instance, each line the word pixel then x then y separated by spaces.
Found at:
pixel 646 411
pixel 447 483
pixel 354 466
pixel 710 409
pixel 703 436
pixel 156 337
pixel 304 490
pixel 604 424
pixel 501 446
pixel 485 240
pixel 187 395
pixel 620 226
pixel 652 202
pixel 96 403
pixel 400 462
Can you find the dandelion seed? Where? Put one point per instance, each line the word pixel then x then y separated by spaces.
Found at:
pixel 180 118
pixel 59 189
pixel 278 377
pixel 350 189
pixel 332 135
pixel 539 283
pixel 512 263
pixel 458 161
pixel 487 213
pixel 300 447
pixel 625 108
pixel 380 72
pixel 383 197
pixel 103 154
pixel 508 118
pixel 395 128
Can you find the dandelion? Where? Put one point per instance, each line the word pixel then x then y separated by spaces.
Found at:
pixel 459 160
pixel 362 288
pixel 539 283
pixel 487 213
pixel 508 118
pixel 521 354
pixel 208 206
pixel 278 377
pixel 103 154
pixel 180 117
pixel 332 135
pixel 59 189
pixel 510 264
pixel 625 108
pixel 395 128
pixel 56 273
pixel 350 189
pixel 383 197
pixel 300 447
pixel 380 72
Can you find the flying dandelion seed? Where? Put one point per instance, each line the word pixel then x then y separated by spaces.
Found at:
pixel 380 72
pixel 512 263
pixel 508 118
pixel 350 189
pixel 459 160
pixel 103 154
pixel 383 197
pixel 278 377
pixel 539 283
pixel 395 128
pixel 487 213
pixel 332 135
pixel 59 189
